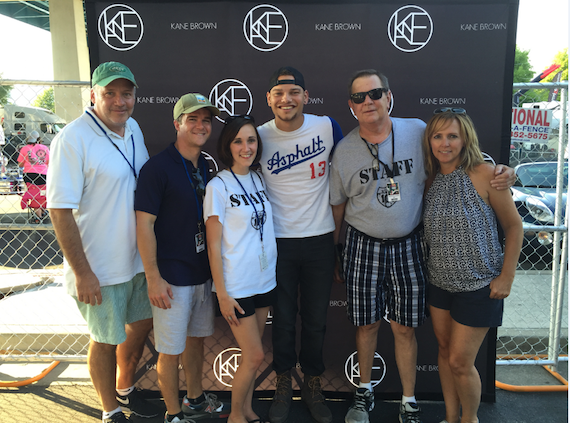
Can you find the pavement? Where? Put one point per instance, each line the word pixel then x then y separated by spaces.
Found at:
pixel 66 395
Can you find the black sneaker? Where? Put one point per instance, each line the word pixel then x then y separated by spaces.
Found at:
pixel 210 408
pixel 281 404
pixel 410 413
pixel 312 396
pixel 137 405
pixel 117 418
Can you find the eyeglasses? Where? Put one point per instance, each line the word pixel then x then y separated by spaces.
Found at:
pixel 456 110
pixel 230 119
pixel 375 94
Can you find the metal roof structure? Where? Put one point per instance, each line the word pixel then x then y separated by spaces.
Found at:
pixel 35 13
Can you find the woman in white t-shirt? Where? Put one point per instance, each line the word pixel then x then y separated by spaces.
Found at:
pixel 242 253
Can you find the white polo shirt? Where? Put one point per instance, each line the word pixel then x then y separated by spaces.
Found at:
pixel 89 175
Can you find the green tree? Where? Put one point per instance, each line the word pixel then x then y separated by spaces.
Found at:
pixel 523 70
pixel 533 96
pixel 4 92
pixel 45 100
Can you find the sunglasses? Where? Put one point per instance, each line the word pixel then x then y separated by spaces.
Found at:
pixel 456 110
pixel 230 119
pixel 375 94
pixel 200 188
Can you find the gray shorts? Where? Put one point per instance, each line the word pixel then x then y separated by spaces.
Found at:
pixel 191 314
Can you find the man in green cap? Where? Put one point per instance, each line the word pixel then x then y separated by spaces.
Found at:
pixel 92 177
pixel 171 239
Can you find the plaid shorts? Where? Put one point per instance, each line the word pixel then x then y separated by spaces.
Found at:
pixel 386 277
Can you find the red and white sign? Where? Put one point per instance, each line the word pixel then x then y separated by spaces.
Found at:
pixel 530 125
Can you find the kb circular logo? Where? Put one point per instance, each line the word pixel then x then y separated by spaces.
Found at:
pixel 352 369
pixel 226 365
pixel 232 97
pixel 265 27
pixel 410 28
pixel 120 27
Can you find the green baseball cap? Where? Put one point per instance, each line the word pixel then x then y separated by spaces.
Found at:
pixel 189 103
pixel 109 71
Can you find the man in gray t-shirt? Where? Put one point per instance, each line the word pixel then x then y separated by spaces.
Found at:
pixel 376 184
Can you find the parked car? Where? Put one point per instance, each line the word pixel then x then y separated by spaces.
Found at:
pixel 534 194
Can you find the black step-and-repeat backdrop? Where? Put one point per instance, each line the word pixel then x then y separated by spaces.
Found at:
pixel 435 53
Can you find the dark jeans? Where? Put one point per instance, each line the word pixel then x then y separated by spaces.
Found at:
pixel 305 267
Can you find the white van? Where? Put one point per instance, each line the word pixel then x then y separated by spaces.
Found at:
pixel 19 121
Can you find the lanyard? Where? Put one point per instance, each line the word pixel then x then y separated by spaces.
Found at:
pixel 198 204
pixel 258 220
pixel 389 172
pixel 117 147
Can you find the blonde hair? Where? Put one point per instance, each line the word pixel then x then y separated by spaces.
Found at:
pixel 470 155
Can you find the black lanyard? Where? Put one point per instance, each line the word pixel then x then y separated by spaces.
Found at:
pixel 389 172
pixel 260 221
pixel 133 168
pixel 198 205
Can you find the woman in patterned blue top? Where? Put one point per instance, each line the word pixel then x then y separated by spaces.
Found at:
pixel 469 275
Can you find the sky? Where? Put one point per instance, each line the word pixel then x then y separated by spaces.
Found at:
pixel 541 29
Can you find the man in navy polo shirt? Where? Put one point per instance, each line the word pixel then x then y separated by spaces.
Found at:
pixel 171 240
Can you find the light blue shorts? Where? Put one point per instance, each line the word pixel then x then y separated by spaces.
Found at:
pixel 122 304
pixel 191 314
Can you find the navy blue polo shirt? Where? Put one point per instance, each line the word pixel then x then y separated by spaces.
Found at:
pixel 165 191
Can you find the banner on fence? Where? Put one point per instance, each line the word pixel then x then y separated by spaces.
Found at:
pixel 531 125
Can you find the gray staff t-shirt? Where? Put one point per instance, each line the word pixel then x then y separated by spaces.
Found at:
pixel 354 180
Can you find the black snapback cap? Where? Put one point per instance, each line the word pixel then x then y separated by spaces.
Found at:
pixel 296 77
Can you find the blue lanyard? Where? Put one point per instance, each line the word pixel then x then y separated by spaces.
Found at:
pixel 259 220
pixel 133 168
pixel 198 205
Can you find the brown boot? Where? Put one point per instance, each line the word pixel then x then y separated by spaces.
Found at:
pixel 279 409
pixel 312 396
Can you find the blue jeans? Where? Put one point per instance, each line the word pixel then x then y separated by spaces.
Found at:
pixel 304 277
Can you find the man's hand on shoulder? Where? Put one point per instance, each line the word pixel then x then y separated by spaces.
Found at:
pixel 88 288
pixel 159 292
pixel 504 177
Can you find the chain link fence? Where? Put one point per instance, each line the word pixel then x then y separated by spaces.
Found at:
pixel 39 322
pixel 535 327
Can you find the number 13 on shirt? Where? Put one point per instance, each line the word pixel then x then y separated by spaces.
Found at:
pixel 318 170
